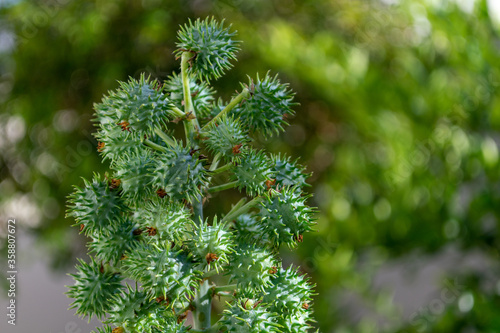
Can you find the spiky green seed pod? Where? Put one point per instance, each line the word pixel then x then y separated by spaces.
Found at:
pixel 287 173
pixel 164 220
pixel 202 94
pixel 135 312
pixel 139 103
pixel 285 216
pixel 135 174
pixel 268 107
pixel 94 289
pixel 227 138
pixel 162 272
pixel 295 323
pixel 104 329
pixel 252 172
pixel 211 44
pixel 96 206
pixel 251 266
pixel 115 142
pixel 110 248
pixel 240 317
pixel 249 231
pixel 288 293
pixel 179 173
pixel 211 245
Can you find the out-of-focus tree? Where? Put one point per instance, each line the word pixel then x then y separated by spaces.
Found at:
pixel 399 123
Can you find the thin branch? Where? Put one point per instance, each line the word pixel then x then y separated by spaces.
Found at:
pixel 154 145
pixel 222 169
pixel 222 187
pixel 235 101
pixel 164 137
pixel 233 213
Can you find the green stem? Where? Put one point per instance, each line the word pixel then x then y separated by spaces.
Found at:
pixel 203 305
pixel 191 125
pixel 235 101
pixel 222 187
pixel 164 137
pixel 198 210
pixel 154 145
pixel 215 162
pixel 229 287
pixel 222 169
pixel 233 213
pixel 176 112
pixel 238 205
pixel 203 299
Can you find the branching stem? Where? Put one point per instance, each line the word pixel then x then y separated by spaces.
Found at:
pixel 229 287
pixel 222 187
pixel 191 125
pixel 202 305
pixel 164 137
pixel 176 112
pixel 237 211
pixel 235 101
pixel 222 169
pixel 154 145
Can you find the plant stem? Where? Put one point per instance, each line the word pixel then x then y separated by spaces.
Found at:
pixel 235 101
pixel 215 162
pixel 203 305
pixel 203 299
pixel 164 137
pixel 222 169
pixel 233 213
pixel 154 145
pixel 175 111
pixel 191 125
pixel 229 287
pixel 222 187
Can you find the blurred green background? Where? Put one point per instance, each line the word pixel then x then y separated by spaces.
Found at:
pixel 399 123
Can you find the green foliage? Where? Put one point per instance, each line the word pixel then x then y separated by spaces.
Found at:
pixel 146 219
